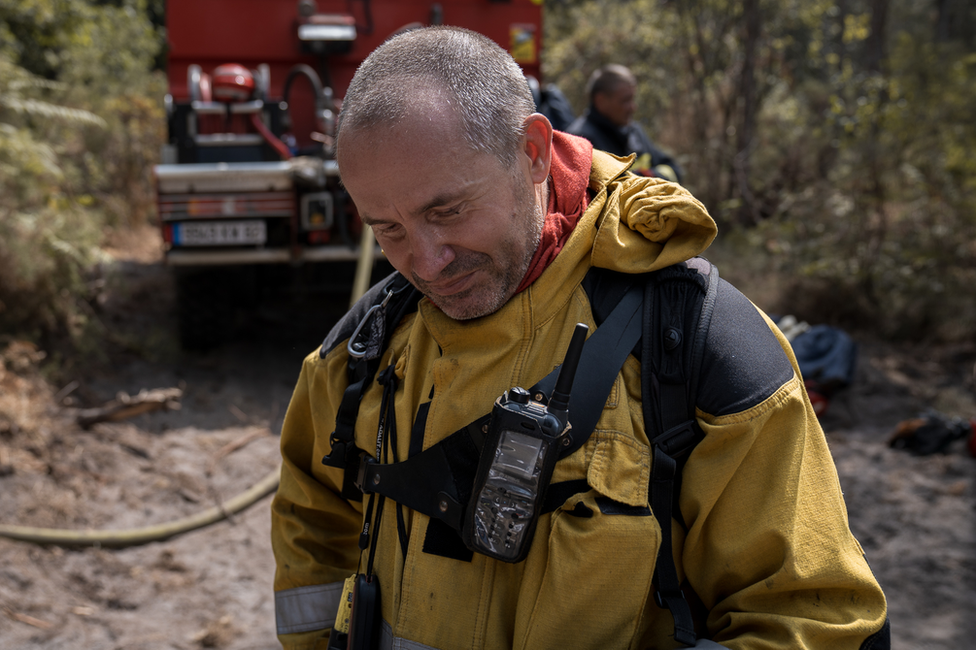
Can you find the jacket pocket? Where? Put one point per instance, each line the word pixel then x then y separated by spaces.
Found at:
pixel 601 553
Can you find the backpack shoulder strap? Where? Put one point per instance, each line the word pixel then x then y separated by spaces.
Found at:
pixel 436 481
pixel 371 321
pixel 678 303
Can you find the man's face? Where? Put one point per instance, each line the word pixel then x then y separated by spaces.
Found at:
pixel 618 105
pixel 461 227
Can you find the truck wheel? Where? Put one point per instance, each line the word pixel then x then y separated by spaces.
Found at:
pixel 202 309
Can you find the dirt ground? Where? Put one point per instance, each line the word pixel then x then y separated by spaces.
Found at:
pixel 211 588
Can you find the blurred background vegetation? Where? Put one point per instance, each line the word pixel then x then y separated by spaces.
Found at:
pixel 81 123
pixel 831 139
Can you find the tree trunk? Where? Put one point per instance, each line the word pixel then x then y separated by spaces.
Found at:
pixel 875 46
pixel 748 95
pixel 955 20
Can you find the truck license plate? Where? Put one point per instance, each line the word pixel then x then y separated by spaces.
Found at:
pixel 219 233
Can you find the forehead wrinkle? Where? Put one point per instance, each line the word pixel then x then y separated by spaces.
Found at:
pixel 443 198
pixel 460 189
pixel 425 137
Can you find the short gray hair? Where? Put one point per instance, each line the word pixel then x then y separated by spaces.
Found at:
pixel 488 89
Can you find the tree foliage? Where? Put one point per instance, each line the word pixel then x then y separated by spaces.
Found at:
pixel 836 135
pixel 80 124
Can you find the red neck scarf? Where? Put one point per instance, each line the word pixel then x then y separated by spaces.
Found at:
pixel 569 174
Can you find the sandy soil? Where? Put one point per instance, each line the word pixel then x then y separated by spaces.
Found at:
pixel 211 588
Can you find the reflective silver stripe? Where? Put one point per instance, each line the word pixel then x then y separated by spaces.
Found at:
pixel 388 642
pixel 304 609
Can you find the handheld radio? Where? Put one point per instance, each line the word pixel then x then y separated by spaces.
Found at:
pixel 520 452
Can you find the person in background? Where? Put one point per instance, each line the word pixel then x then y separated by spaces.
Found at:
pixel 551 102
pixel 608 123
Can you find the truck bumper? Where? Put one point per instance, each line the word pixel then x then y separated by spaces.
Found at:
pixel 262 256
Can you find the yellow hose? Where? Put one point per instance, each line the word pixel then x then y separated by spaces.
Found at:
pixel 137 536
pixel 364 264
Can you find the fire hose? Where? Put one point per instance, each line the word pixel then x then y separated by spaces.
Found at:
pixel 155 533
pixel 280 147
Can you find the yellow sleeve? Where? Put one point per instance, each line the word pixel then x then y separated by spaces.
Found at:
pixel 768 548
pixel 314 531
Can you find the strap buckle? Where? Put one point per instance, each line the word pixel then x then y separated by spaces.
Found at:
pixel 368 475
pixel 337 456
pixel 678 439
pixel 357 349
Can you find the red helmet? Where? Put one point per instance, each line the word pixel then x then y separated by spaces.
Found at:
pixel 232 83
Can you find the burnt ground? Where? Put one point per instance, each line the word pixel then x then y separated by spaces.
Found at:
pixel 211 588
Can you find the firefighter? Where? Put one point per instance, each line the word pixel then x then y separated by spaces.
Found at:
pixel 496 219
pixel 608 123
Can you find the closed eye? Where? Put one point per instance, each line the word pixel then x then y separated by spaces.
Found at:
pixel 387 230
pixel 447 213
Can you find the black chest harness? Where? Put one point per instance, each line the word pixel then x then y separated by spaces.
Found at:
pixel 661 317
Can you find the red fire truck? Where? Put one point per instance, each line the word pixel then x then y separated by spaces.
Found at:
pixel 248 185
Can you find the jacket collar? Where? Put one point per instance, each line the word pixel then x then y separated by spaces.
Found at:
pixel 609 129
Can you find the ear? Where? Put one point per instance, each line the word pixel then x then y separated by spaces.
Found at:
pixel 538 146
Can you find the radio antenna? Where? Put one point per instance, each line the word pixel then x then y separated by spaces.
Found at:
pixel 564 382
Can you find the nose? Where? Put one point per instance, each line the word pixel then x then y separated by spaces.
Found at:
pixel 430 254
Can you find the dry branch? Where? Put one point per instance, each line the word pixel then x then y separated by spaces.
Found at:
pixel 126 406
pixel 234 445
pixel 28 619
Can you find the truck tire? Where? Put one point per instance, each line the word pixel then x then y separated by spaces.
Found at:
pixel 202 309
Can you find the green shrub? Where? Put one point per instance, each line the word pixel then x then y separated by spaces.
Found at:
pixel 852 176
pixel 80 126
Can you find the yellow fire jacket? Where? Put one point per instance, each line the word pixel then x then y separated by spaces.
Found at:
pixel 766 552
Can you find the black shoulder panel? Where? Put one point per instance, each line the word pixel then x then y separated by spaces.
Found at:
pixel 343 329
pixel 743 362
pixel 880 640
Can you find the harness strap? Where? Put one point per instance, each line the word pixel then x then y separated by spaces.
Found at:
pixel 668 592
pixel 438 481
pixel 432 482
pixel 366 346
pixel 603 356
pixel 669 375
pixel 344 452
